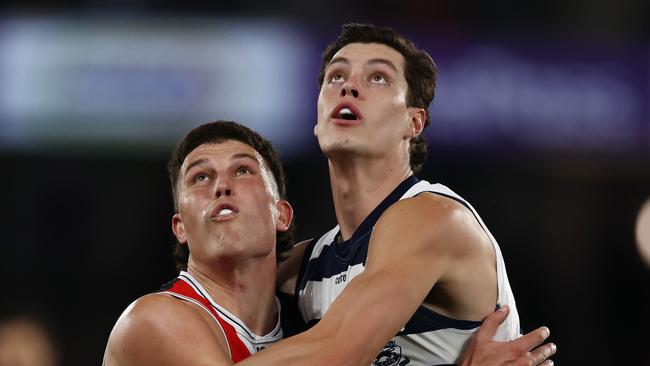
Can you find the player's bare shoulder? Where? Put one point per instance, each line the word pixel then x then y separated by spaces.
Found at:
pixel 149 330
pixel 445 221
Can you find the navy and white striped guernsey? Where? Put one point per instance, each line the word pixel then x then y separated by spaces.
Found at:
pixel 428 338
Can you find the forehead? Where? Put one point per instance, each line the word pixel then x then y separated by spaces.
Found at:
pixel 224 150
pixel 362 52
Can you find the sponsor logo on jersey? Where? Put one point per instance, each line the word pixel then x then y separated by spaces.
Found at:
pixel 391 355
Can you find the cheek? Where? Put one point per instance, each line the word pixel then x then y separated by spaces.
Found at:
pixel 258 193
pixel 262 218
pixel 193 208
pixel 390 114
pixel 396 106
pixel 266 208
pixel 188 204
pixel 321 109
pixel 326 97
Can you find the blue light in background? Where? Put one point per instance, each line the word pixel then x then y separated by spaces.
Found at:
pixel 76 82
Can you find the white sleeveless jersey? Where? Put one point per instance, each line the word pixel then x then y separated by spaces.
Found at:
pixel 428 338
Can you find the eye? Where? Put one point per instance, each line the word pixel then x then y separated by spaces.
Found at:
pixel 243 170
pixel 337 78
pixel 200 177
pixel 379 79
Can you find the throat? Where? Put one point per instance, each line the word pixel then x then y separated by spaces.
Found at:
pixel 359 185
pixel 247 294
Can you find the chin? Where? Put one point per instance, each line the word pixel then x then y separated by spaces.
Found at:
pixel 252 246
pixel 237 254
pixel 343 147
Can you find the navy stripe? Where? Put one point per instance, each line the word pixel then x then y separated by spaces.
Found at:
pixel 327 265
pixel 347 248
pixel 427 320
pixel 352 251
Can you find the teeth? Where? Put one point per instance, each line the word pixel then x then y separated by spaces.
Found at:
pixel 225 211
pixel 345 111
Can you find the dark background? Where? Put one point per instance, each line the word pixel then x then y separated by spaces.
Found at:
pixel 86 230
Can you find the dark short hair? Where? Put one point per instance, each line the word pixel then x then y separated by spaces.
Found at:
pixel 217 132
pixel 420 71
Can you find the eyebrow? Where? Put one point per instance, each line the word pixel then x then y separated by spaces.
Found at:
pixel 339 59
pixel 383 62
pixel 244 155
pixel 234 157
pixel 194 163
pixel 372 61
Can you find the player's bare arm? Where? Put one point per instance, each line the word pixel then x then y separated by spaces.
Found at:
pixel 161 330
pixel 465 240
pixel 377 303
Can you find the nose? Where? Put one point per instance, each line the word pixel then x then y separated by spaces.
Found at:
pixel 349 88
pixel 223 188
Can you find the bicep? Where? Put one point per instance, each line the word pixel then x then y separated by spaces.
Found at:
pixel 405 260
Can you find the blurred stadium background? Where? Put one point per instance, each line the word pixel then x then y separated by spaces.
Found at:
pixel 541 121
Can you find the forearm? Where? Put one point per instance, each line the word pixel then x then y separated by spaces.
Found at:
pixel 318 346
pixel 354 329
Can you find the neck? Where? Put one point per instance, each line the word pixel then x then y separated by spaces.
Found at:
pixel 360 184
pixel 246 289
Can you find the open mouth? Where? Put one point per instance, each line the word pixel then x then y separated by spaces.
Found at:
pixel 346 112
pixel 223 212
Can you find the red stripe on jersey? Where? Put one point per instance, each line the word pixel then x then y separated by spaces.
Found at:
pixel 238 350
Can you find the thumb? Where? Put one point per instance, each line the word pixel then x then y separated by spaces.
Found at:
pixel 491 323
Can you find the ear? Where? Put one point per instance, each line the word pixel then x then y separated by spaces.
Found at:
pixel 416 123
pixel 178 228
pixel 285 215
pixel 315 129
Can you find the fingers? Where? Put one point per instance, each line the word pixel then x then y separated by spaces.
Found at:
pixel 531 340
pixel 492 322
pixel 541 353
